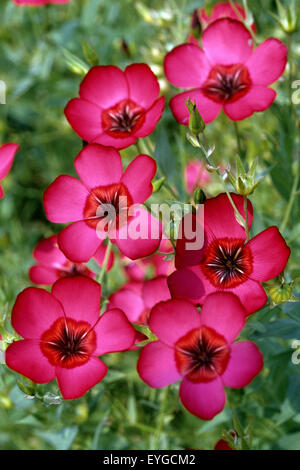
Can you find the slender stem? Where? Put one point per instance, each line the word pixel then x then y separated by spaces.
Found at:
pixel 105 262
pixel 246 218
pixel 292 199
pixel 160 420
pixel 238 140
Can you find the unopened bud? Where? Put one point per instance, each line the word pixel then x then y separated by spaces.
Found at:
pixel 199 196
pixel 196 123
pixel 76 65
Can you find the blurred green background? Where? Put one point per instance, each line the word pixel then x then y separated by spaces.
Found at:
pixel 122 412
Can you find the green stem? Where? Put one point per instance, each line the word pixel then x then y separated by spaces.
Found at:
pixel 238 140
pixel 246 218
pixel 160 420
pixel 105 262
pixel 292 199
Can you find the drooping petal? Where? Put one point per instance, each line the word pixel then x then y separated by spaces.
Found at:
pixel 205 399
pixel 104 85
pixel 64 199
pixel 129 302
pixel 79 242
pixel 7 155
pixel 208 109
pixel 156 365
pixel 26 358
pixel 75 382
pixel 270 254
pixel 186 66
pixel 143 84
pixel 258 99
pixel 84 117
pixel 223 312
pixel 141 236
pixel 80 298
pixel 155 291
pixel 114 333
pixel 172 319
pixel 138 176
pixel 152 116
pixel 98 166
pixel 227 42
pixel 246 361
pixel 35 310
pixel 267 62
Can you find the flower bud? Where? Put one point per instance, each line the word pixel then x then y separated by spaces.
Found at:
pixel 244 182
pixel 196 123
pixel 199 196
pixel 75 64
pixel 287 16
pixel 282 292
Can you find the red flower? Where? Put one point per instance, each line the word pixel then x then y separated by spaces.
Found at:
pixel 63 335
pixel 103 185
pixel 227 74
pixel 39 3
pixel 222 445
pixel 53 265
pixel 136 299
pixel 226 262
pixel 223 10
pixel 137 270
pixel 116 108
pixel 199 349
pixel 7 155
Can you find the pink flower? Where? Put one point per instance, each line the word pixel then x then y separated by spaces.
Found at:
pixel 226 74
pixel 226 263
pixel 53 265
pixel 136 299
pixel 116 108
pixel 223 10
pixel 222 445
pixel 85 202
pixel 63 335
pixel 199 349
pixel 196 175
pixel 137 270
pixel 7 155
pixel 39 3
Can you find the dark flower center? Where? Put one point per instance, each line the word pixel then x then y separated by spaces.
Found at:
pixel 107 207
pixel 123 119
pixel 227 262
pixel 70 269
pixel 68 343
pixel 227 83
pixel 202 354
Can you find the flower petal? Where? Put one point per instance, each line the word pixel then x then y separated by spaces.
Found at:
pixel 73 383
pixel 152 116
pixel 227 42
pixel 26 358
pixel 118 143
pixel 104 85
pixel 138 176
pixel 156 365
pixel 208 109
pixel 79 242
pixel 173 319
pixel 47 252
pixel 34 312
pixel 186 66
pixel 129 302
pixel 98 166
pixel 258 99
pixel 143 84
pixel 80 298
pixel 43 276
pixel 114 333
pixel 205 399
pixel 84 117
pixel 267 62
pixel 7 155
pixel 64 199
pixel 245 363
pixel 187 283
pixel 155 291
pixel 270 254
pixel 251 295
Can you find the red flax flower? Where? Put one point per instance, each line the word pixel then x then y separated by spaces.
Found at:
pixel 7 155
pixel 116 108
pixel 199 348
pixel 226 74
pixel 53 265
pixel 39 3
pixel 223 10
pixel 63 335
pixel 103 185
pixel 225 262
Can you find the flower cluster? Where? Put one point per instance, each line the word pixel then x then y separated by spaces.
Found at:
pixel 197 300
